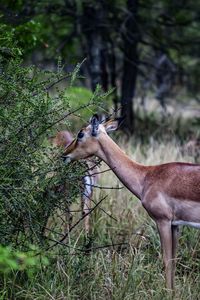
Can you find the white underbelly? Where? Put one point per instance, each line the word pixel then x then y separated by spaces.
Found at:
pixel 181 222
pixel 186 212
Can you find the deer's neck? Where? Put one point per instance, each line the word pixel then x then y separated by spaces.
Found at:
pixel 130 173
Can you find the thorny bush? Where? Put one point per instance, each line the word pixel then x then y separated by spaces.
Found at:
pixel 34 181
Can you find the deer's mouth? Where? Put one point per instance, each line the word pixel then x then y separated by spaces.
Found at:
pixel 66 159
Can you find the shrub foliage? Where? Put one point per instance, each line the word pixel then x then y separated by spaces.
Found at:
pixel 34 181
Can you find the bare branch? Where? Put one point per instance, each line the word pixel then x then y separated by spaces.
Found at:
pixel 47 88
pixel 100 207
pixel 105 187
pixel 67 234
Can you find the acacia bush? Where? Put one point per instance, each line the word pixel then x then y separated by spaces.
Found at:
pixel 32 172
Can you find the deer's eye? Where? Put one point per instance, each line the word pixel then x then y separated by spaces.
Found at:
pixel 80 135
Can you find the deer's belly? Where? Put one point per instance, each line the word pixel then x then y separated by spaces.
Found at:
pixel 186 212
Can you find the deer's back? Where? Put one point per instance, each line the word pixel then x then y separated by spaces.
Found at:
pixel 176 180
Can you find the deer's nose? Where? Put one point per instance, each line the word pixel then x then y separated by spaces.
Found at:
pixel 66 159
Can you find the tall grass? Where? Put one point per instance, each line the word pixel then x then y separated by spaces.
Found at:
pixel 125 260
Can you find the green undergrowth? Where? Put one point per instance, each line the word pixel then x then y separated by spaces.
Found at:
pixel 130 271
pixel 121 259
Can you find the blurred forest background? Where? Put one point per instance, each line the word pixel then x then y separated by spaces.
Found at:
pixel 60 62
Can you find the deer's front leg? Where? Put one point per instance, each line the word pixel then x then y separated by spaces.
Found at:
pixel 86 200
pixel 165 232
pixel 85 210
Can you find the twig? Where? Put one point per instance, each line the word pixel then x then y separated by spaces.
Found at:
pixel 53 83
pixel 61 119
pixel 109 215
pixel 104 187
pixel 66 235
pixel 100 208
pixel 100 172
pixel 65 245
pixel 53 231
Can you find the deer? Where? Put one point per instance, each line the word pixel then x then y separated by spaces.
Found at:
pixel 62 139
pixel 170 192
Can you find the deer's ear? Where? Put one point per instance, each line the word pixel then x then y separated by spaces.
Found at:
pixel 114 124
pixel 111 125
pixel 95 124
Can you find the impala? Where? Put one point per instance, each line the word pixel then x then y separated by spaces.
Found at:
pixel 63 139
pixel 169 192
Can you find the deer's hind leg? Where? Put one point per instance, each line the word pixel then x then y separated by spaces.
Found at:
pixel 175 236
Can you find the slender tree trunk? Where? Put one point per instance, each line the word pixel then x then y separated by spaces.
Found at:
pixel 112 73
pixel 92 20
pixel 104 71
pixel 130 66
pixel 94 56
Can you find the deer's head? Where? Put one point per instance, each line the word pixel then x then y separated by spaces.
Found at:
pixel 87 142
pixel 62 139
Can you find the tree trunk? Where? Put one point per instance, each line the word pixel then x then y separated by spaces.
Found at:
pixel 112 73
pixel 92 28
pixel 94 56
pixel 130 66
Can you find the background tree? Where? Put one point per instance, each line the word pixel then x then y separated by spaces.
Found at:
pixel 122 41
